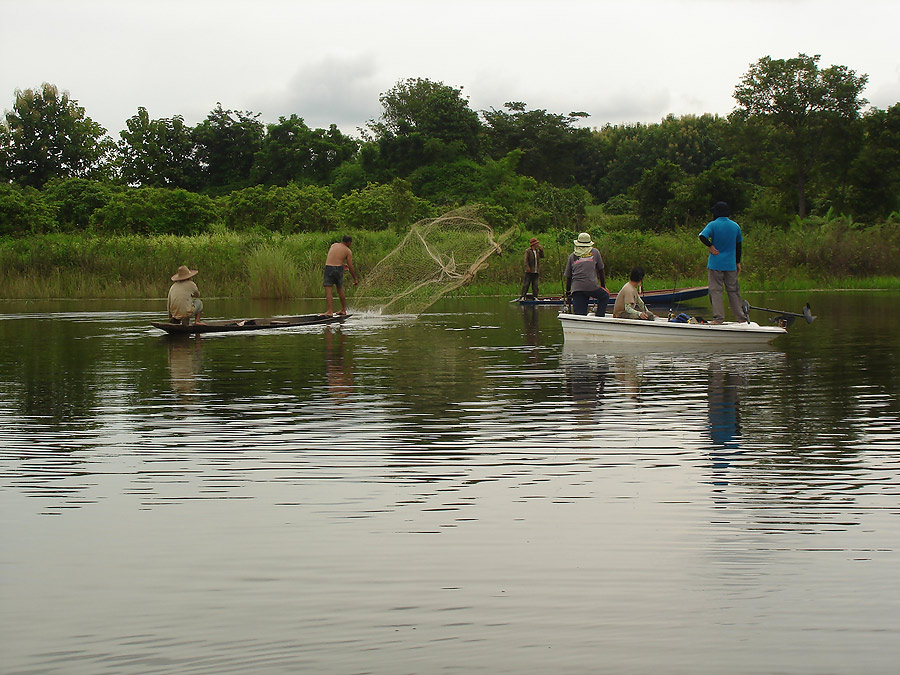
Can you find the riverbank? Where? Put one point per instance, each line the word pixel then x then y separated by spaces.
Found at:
pixel 258 265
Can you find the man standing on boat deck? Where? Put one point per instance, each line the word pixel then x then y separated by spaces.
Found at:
pixel 585 276
pixel 184 300
pixel 722 237
pixel 338 256
pixel 532 254
pixel 629 303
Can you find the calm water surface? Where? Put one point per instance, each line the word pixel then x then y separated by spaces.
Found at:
pixel 455 493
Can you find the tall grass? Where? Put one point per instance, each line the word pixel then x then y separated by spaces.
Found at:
pixel 833 254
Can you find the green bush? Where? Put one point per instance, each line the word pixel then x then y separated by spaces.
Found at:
pixel 620 205
pixel 380 207
pixel 23 210
pixel 285 209
pixel 75 199
pixel 156 211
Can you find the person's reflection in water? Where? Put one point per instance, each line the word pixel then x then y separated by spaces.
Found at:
pixel 338 368
pixel 531 331
pixel 585 377
pixel 723 400
pixel 630 374
pixel 185 355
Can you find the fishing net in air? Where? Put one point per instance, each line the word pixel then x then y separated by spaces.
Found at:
pixel 437 256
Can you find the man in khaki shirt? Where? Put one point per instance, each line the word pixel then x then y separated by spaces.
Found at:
pixel 184 297
pixel 629 303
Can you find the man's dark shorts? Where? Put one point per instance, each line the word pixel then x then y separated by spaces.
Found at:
pixel 334 275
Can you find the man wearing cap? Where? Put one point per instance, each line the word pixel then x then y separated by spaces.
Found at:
pixel 184 297
pixel 585 276
pixel 722 237
pixel 532 254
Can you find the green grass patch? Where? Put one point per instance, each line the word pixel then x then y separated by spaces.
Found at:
pixel 830 255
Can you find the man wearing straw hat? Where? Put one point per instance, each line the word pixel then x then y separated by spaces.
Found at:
pixel 585 276
pixel 184 297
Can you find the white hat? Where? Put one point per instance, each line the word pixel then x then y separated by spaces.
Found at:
pixel 584 239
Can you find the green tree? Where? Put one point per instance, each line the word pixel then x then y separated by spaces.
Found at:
pixel 800 106
pixel 552 148
pixel 422 122
pixel 47 135
pixel 227 143
pixel 158 153
pixel 432 109
pixel 291 151
pixel 694 195
pixel 874 190
pixel 654 190
pixel 619 155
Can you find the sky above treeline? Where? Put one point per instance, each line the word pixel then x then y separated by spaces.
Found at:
pixel 328 61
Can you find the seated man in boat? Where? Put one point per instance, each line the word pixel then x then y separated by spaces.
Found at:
pixel 585 277
pixel 629 304
pixel 339 256
pixel 184 298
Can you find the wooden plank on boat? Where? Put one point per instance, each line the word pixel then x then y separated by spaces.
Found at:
pixel 239 325
pixel 656 298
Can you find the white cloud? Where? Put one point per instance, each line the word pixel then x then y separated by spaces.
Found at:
pixel 333 90
pixel 622 61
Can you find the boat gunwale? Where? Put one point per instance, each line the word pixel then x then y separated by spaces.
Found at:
pixel 666 331
pixel 245 325
pixel 660 295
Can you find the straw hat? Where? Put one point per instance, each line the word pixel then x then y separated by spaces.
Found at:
pixel 183 274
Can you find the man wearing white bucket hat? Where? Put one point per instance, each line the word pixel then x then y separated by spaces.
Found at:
pixel 184 297
pixel 585 276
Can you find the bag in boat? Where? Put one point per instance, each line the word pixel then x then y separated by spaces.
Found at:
pixel 681 318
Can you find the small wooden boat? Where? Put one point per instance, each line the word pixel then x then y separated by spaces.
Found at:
pixel 656 298
pixel 247 324
pixel 662 331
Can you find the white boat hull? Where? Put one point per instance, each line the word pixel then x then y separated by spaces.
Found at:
pixel 607 329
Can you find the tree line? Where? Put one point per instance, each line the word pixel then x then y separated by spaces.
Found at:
pixel 800 141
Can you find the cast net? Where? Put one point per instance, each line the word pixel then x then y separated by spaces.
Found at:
pixel 437 256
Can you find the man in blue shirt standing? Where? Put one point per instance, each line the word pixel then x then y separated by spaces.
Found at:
pixel 723 238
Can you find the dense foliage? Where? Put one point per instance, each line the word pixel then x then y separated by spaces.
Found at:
pixel 799 143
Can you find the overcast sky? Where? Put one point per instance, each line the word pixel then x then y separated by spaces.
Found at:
pixel 622 61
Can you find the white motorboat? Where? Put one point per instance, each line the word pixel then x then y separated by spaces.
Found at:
pixel 607 329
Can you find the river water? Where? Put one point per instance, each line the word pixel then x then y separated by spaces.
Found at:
pixel 459 492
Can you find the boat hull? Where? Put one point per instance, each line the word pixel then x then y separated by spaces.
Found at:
pixel 663 331
pixel 242 325
pixel 662 297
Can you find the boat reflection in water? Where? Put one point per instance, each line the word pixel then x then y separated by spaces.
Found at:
pixel 659 376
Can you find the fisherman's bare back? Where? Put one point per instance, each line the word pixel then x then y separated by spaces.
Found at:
pixel 338 255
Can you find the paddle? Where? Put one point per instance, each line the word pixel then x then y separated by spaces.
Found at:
pixel 787 317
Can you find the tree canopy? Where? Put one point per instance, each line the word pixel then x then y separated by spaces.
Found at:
pixel 799 141
pixel 47 135
pixel 800 107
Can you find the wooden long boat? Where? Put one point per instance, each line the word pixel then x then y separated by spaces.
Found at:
pixel 656 298
pixel 662 331
pixel 230 325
